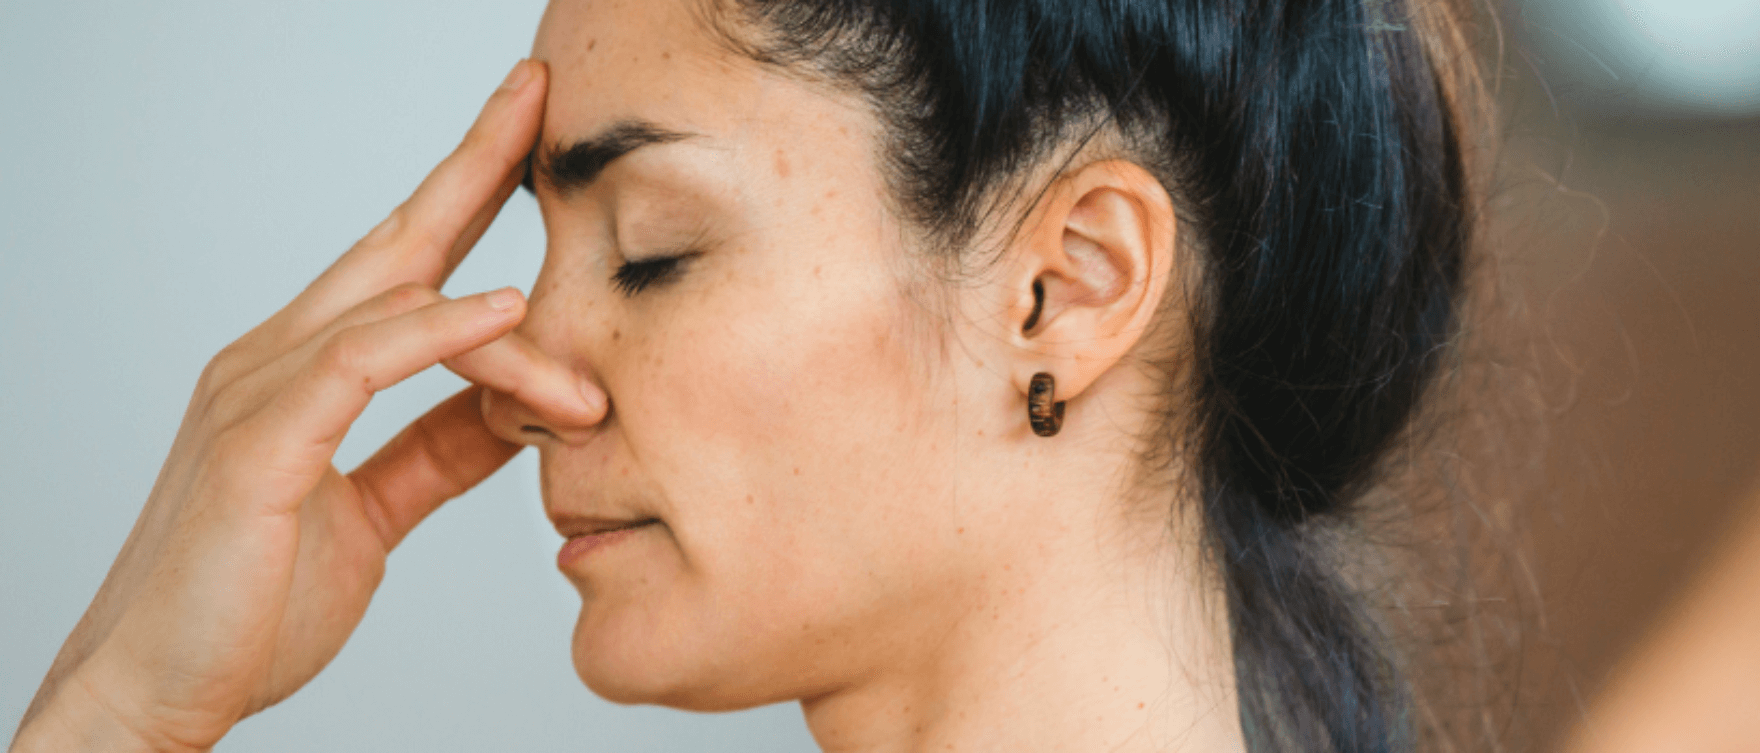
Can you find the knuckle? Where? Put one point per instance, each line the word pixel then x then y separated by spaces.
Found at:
pixel 410 296
pixel 405 227
pixel 213 375
pixel 347 356
pixel 224 366
pixel 425 237
pixel 225 403
pixel 389 229
pixel 413 230
pixel 475 139
pixel 394 227
pixel 218 378
pixel 231 448
pixel 343 353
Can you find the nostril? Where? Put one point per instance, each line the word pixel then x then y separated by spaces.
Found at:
pixel 531 429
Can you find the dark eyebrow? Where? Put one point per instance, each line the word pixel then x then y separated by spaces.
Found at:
pixel 579 164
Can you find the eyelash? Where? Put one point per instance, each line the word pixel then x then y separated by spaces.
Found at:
pixel 633 277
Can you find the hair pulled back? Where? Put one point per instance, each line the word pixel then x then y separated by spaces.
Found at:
pixel 1314 151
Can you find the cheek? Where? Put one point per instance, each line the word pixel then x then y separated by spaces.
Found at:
pixel 802 443
pixel 806 393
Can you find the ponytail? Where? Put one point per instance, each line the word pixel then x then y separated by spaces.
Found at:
pixel 1336 241
pixel 1313 151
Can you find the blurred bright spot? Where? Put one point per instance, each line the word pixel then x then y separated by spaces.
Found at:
pixel 1693 57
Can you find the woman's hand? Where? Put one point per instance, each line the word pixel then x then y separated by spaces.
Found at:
pixel 253 558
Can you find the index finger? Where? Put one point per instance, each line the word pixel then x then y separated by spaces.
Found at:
pixel 420 241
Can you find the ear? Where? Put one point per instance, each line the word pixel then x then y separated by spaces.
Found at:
pixel 1092 264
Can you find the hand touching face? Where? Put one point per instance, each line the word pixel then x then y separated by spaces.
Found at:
pixel 253 558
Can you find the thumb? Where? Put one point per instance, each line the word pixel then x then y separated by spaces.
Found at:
pixel 443 454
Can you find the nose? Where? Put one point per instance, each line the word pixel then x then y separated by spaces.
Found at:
pixel 513 420
pixel 522 417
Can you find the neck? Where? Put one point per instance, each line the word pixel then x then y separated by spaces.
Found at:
pixel 1064 653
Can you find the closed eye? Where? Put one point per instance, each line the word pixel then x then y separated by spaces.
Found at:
pixel 633 277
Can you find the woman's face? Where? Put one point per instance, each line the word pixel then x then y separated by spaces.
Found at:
pixel 825 475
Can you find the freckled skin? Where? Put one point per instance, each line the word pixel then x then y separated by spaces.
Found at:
pixel 846 492
pixel 741 380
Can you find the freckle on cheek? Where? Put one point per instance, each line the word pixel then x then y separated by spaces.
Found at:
pixel 781 164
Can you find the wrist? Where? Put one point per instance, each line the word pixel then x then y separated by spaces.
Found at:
pixel 83 717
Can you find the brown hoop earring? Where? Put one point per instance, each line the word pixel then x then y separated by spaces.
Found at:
pixel 1045 416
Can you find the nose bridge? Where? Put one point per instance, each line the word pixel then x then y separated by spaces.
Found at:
pixel 560 324
pixel 544 324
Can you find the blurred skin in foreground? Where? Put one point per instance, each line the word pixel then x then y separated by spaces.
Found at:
pixel 1694 684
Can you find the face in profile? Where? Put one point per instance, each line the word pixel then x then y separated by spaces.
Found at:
pixel 816 458
pixel 814 444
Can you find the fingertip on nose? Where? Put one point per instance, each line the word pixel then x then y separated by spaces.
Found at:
pixel 517 77
pixel 594 400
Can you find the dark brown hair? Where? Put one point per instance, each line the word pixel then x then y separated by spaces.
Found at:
pixel 1315 152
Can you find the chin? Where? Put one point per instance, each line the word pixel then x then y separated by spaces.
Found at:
pixel 638 666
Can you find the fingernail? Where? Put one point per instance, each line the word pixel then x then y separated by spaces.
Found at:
pixel 591 396
pixel 504 299
pixel 517 77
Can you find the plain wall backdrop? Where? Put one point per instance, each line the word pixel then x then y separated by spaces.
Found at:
pixel 171 174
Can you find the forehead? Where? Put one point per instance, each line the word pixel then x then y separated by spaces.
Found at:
pixel 656 60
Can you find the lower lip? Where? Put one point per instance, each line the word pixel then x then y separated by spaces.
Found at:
pixel 580 546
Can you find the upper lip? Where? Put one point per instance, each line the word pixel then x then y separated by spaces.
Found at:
pixel 572 526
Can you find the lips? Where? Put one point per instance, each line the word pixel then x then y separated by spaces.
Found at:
pixel 571 526
pixel 590 534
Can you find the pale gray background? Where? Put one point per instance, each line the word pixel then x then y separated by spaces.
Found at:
pixel 173 172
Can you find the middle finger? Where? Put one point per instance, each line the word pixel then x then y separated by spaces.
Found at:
pixel 425 238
